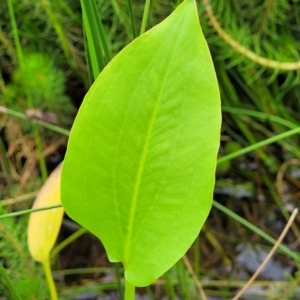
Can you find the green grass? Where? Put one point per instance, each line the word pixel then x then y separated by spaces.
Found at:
pixel 260 112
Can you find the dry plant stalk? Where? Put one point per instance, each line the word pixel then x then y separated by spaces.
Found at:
pixel 271 253
pixel 281 172
pixel 196 280
pixel 18 199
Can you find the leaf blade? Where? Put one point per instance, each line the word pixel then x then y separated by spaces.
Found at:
pixel 151 145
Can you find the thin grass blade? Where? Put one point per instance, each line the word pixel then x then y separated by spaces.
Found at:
pixel 98 48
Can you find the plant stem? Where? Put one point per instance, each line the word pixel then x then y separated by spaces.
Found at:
pixel 145 16
pixel 182 279
pixel 28 211
pixel 132 20
pixel 119 282
pixel 14 27
pixel 49 278
pixel 97 43
pixel 269 63
pixel 22 116
pixel 129 291
pixel 260 115
pixel 9 283
pixel 169 287
pixel 197 255
pixel 67 241
pixel 149 293
pixel 18 199
pixel 58 27
pixel 263 143
pixel 255 229
pixel 39 146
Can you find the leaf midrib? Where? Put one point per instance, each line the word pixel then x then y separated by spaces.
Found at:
pixel 142 166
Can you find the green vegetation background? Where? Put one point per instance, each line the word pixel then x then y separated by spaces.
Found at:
pixel 255 46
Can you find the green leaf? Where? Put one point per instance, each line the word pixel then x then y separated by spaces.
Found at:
pixel 140 165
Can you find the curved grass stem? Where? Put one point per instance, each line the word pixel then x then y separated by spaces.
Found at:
pixel 269 63
pixel 68 241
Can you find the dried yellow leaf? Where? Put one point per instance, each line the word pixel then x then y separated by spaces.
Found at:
pixel 44 225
